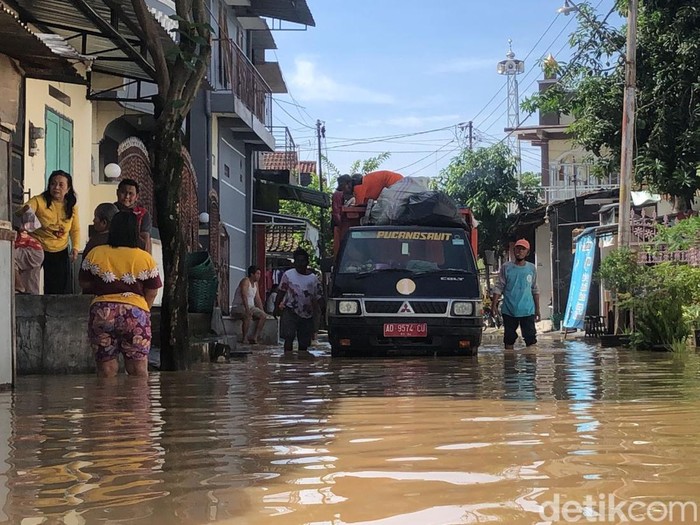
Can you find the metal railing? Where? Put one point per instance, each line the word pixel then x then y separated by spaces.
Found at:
pixel 231 70
pixel 559 193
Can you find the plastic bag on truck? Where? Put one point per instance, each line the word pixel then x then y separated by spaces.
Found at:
pixel 432 208
pixel 391 202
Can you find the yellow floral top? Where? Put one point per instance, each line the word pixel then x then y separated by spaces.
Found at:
pixel 55 229
pixel 120 275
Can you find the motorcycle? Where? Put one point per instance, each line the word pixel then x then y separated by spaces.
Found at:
pixel 491 318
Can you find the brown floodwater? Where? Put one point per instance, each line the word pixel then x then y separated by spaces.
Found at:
pixel 518 437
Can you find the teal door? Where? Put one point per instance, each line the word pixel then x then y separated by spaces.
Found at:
pixel 59 143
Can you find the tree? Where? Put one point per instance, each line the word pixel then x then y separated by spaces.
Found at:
pixel 484 180
pixel 179 72
pixel 363 166
pixel 668 93
pixel 311 214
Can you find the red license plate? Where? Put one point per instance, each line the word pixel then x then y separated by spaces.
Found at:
pixel 406 330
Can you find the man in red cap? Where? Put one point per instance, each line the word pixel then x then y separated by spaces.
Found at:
pixel 517 283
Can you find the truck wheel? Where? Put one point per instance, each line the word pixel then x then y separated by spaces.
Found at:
pixel 472 352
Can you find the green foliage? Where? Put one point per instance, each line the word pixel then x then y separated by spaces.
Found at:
pixel 680 236
pixel 661 297
pixel 370 164
pixel 668 114
pixel 659 302
pixel 311 214
pixel 484 180
pixel 358 166
pixel 620 271
pixel 530 189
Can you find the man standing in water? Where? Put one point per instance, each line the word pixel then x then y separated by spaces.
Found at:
pixel 517 283
pixel 300 289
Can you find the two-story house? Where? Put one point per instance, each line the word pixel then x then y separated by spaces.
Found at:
pixel 572 194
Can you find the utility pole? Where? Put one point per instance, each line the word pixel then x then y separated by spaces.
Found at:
pixel 471 135
pixel 321 133
pixel 628 118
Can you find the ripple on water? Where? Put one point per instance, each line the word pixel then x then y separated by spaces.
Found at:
pixel 272 439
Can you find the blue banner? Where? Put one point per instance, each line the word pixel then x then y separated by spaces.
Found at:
pixel 581 276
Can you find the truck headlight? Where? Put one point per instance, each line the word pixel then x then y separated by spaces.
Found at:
pixel 348 307
pixel 462 308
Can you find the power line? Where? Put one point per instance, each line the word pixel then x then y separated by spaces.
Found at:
pixel 427 156
pixel 292 116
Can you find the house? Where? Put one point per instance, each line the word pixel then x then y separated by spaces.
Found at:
pixel 83 101
pixel 30 62
pixel 234 125
pixel 571 196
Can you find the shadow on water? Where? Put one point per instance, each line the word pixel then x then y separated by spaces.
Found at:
pixel 277 439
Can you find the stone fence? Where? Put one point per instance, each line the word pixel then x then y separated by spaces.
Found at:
pixel 52 338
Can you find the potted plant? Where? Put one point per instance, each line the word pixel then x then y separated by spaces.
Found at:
pixel 621 275
pixel 691 314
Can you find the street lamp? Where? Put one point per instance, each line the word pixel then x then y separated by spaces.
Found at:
pixel 628 118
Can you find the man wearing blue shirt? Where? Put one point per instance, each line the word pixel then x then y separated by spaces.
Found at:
pixel 517 283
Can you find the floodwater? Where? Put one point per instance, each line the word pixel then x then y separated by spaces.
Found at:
pixel 517 437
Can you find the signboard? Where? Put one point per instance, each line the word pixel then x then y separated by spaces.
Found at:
pixel 581 277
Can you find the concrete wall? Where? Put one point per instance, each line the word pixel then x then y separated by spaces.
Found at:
pixel 234 197
pixel 52 334
pixel 7 346
pixel 543 261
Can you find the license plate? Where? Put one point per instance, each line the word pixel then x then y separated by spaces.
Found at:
pixel 406 330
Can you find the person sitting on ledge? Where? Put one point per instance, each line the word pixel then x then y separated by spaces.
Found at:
pixel 248 305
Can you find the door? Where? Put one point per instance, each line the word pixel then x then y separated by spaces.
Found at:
pixel 59 143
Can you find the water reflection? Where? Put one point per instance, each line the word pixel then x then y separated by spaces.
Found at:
pixel 272 439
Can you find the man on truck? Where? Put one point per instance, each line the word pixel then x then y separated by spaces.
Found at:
pixel 372 185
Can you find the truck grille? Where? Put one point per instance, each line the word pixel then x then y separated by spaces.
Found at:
pixel 392 307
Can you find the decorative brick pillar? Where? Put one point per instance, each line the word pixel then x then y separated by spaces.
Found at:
pixel 188 203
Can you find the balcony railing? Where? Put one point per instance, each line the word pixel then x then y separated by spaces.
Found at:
pixel 233 71
pixel 559 193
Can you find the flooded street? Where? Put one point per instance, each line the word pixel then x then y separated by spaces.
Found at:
pixel 505 438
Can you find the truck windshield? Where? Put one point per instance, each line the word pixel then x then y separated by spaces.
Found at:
pixel 416 251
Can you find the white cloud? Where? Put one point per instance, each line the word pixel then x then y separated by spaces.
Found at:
pixel 309 84
pixel 465 65
pixel 411 121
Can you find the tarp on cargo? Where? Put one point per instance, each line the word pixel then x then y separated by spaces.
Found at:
pixel 409 202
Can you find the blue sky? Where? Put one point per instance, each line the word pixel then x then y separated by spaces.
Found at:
pixel 378 68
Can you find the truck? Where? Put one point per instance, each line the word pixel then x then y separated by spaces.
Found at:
pixel 409 289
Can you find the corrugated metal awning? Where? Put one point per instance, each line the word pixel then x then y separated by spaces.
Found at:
pixel 104 30
pixel 296 11
pixel 40 56
pixel 280 230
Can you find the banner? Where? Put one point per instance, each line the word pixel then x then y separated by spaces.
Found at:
pixel 581 277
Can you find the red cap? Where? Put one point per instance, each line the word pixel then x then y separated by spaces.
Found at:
pixel 523 243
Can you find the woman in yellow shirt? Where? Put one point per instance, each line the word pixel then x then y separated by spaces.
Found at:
pixel 58 214
pixel 125 280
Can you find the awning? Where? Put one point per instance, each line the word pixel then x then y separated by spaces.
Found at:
pixel 292 192
pixel 104 30
pixel 39 55
pixel 296 11
pixel 280 230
